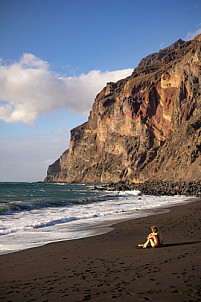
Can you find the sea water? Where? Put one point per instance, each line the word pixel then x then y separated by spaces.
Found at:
pixel 34 214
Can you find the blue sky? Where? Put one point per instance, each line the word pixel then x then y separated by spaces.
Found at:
pixel 56 55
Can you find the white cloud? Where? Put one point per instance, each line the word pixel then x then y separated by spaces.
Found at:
pixel 30 61
pixel 192 35
pixel 29 88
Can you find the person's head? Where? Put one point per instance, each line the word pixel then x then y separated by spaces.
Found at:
pixel 154 229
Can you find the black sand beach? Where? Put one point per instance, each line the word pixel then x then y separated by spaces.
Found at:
pixel 109 267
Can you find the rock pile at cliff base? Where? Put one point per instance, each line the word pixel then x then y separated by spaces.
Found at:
pixel 157 188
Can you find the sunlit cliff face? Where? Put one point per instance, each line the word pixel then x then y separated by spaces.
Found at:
pixel 139 128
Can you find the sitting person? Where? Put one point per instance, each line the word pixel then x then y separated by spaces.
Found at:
pixel 153 239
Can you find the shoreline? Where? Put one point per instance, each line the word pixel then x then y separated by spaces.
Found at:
pixel 109 266
pixel 98 228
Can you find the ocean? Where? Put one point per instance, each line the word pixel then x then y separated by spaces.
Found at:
pixel 34 214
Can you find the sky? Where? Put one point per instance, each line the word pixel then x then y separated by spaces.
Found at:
pixel 57 55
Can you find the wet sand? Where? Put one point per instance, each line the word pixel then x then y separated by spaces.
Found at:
pixel 110 267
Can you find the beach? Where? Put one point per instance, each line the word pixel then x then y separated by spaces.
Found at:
pixel 110 266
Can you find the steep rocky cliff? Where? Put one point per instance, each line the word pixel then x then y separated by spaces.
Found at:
pixel 144 127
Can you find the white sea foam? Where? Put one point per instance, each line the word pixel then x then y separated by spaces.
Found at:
pixel 37 227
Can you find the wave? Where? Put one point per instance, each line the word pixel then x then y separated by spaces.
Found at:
pixel 130 193
pixel 20 197
pixel 19 206
pixel 55 221
pixel 71 219
pixel 52 222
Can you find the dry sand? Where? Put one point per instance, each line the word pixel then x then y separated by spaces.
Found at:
pixel 109 267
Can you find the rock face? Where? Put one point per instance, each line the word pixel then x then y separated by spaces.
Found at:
pixel 145 127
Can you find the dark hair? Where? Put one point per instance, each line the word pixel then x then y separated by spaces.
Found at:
pixel 154 228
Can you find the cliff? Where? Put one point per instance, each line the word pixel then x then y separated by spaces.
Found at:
pixel 144 127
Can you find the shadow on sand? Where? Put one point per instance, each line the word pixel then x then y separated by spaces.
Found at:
pixel 181 243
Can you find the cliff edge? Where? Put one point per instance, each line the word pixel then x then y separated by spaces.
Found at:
pixel 144 127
